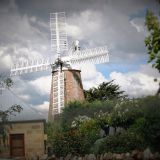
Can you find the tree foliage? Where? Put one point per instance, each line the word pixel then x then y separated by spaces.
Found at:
pixel 4 114
pixel 77 140
pixel 105 91
pixel 85 108
pixel 10 111
pixel 5 82
pixel 152 41
pixel 121 143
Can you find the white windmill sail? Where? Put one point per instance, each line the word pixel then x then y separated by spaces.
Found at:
pixel 94 55
pixel 59 41
pixel 30 66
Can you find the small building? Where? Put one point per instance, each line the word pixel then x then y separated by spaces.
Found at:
pixel 25 131
pixel 25 139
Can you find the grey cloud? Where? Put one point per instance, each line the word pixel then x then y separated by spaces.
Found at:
pixel 19 37
pixel 27 27
pixel 147 69
pixel 22 87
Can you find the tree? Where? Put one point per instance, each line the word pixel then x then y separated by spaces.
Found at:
pixel 4 114
pixel 4 119
pixel 105 91
pixel 152 41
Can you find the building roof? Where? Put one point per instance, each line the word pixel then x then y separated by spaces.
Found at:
pixel 29 112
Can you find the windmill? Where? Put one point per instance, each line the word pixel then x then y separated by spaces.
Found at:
pixel 66 82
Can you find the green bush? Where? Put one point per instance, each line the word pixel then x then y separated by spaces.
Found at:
pixel 76 109
pixel 78 128
pixel 152 125
pixel 67 142
pixel 121 143
pixel 148 126
pixel 52 129
pixel 97 146
pixel 71 141
pixel 78 139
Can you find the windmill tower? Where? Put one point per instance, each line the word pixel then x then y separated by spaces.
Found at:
pixel 66 82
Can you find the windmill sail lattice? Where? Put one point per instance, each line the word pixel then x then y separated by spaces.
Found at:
pixel 59 41
pixel 30 66
pixel 66 81
pixel 95 56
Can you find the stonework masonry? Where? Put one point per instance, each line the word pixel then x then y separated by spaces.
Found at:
pixel 73 86
pixel 73 89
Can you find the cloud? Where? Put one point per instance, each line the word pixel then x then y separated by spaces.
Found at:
pixel 138 28
pixel 25 97
pixel 149 70
pixel 44 107
pixel 110 25
pixel 6 61
pixel 32 92
pixel 95 24
pixel 84 25
pixel 91 77
pixel 42 85
pixel 22 37
pixel 74 31
pixel 138 83
pixel 138 24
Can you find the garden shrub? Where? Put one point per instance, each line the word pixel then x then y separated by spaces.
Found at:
pixel 78 129
pixel 68 142
pixel 121 143
pixel 78 139
pixel 151 127
pixel 72 141
pixel 75 109
pixel 148 126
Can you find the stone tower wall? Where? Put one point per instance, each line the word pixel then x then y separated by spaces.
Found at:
pixel 73 89
pixel 73 86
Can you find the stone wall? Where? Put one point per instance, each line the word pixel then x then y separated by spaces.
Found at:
pixel 134 155
pixel 73 86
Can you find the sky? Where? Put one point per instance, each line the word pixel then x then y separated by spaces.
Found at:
pixel 119 25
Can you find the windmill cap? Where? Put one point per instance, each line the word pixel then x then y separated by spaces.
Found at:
pixel 76 42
